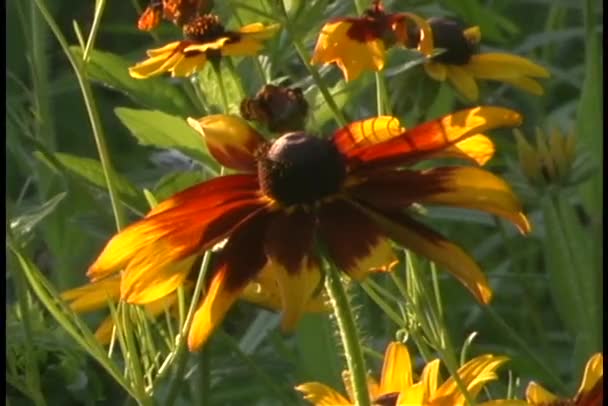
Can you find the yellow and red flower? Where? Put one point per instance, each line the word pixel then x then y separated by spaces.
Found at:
pixel 397 386
pixel 461 64
pixel 206 38
pixel 356 44
pixel 590 392
pixel 348 192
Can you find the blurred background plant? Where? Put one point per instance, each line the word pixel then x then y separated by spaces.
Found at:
pixel 546 314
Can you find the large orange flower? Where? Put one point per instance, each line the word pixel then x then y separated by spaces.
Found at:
pixel 356 44
pixel 348 193
pixel 206 38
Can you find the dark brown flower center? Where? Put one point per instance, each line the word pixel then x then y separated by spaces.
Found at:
pixel 205 28
pixel 301 169
pixel 449 35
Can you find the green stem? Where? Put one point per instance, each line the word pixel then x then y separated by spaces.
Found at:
pixel 550 374
pixel 348 332
pixel 100 5
pixel 220 81
pixel 300 49
pixel 91 107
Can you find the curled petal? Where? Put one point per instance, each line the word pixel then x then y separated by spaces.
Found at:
pixel 230 140
pixel 321 395
pixel 426 242
pixel 347 43
pixel 465 187
pixel 366 132
pixel 240 260
pixel 397 369
pixel 432 137
pixel 354 242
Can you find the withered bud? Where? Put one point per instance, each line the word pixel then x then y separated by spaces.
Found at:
pixel 280 109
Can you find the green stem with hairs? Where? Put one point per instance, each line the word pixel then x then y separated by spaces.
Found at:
pixel 349 335
pixel 215 63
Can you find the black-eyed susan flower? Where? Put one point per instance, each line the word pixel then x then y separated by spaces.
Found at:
pixel 356 44
pixel 350 192
pixel 461 64
pixel 206 39
pixel 179 12
pixel 280 109
pixel 263 291
pixel 590 392
pixel 397 386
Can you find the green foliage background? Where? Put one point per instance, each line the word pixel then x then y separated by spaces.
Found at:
pixel 59 216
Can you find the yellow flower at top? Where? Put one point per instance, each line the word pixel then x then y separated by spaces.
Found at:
pixel 460 64
pixel 206 38
pixel 356 44
pixel 397 386
pixel 590 392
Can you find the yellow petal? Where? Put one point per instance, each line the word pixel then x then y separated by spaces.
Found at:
pixel 103 334
pixel 430 377
pixel 472 34
pixel 164 50
pixel 211 312
pixel 525 84
pixel 155 65
pixel 478 148
pixel 435 70
pixel 230 140
pixel 372 386
pixel 93 296
pixel 413 396
pixel 425 242
pixel 397 369
pixel 321 395
pixel 594 370
pixel 189 65
pixel 259 31
pixel 500 65
pixel 153 274
pixel 474 188
pixel 334 45
pixel 243 47
pixel 463 81
pixel 537 395
pixel 505 402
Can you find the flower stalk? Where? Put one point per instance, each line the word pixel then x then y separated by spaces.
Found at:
pixel 349 335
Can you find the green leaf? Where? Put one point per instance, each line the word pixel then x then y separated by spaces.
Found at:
pixel 176 182
pixel 152 127
pixel 154 93
pixel 91 171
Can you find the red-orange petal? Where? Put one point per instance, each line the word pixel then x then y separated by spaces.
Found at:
pixel 355 244
pixel 230 140
pixel 238 263
pixel 422 240
pixel 465 187
pixel 182 225
pixel 432 137
pixel 366 132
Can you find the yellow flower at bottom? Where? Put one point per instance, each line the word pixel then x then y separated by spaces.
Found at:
pixel 590 392
pixel 206 38
pixel 397 385
pixel 461 65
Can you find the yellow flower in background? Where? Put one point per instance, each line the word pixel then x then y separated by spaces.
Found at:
pixel 357 44
pixel 397 385
pixel 462 65
pixel 590 391
pixel 206 38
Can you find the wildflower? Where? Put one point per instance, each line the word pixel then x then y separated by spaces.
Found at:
pixel 179 12
pixel 590 392
pixel 397 385
pixel 356 44
pixel 551 162
pixel 346 191
pixel 281 109
pixel 461 64
pixel 206 39
pixel 262 291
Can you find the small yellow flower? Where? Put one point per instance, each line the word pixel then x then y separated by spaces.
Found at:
pixel 206 38
pixel 461 64
pixel 356 44
pixel 590 392
pixel 397 386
